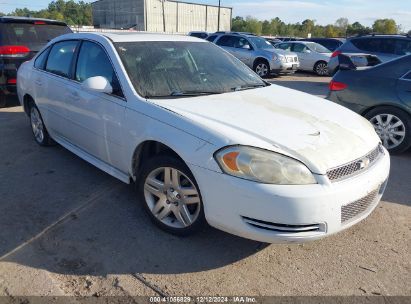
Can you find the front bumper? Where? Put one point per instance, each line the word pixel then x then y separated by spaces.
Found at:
pixel 279 67
pixel 281 214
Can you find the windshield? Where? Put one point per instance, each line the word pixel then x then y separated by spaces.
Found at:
pixel 261 43
pixel 318 48
pixel 169 68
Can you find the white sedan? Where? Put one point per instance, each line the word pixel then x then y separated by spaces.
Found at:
pixel 313 57
pixel 203 138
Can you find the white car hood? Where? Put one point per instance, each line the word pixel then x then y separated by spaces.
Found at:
pixel 320 133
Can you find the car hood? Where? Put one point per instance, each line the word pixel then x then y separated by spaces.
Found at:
pixel 316 131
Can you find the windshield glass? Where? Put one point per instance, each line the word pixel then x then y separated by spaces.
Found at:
pixel 318 48
pixel 261 43
pixel 170 68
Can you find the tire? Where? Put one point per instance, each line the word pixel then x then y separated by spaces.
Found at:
pixel 321 69
pixel 167 205
pixel 3 101
pixel 262 68
pixel 393 126
pixel 41 136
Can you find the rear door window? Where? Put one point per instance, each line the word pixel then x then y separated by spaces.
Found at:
pixel 367 44
pixel 299 47
pixel 61 56
pixel 212 38
pixel 284 46
pixel 227 41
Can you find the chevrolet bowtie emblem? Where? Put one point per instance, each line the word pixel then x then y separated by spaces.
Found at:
pixel 363 164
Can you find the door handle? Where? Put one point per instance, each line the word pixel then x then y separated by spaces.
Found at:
pixel 39 82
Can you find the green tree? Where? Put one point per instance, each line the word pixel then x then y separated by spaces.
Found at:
pixel 330 31
pixel 341 26
pixel 71 12
pixel 385 26
pixel 253 25
pixel 307 27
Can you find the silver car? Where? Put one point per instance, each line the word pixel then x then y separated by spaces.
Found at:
pixel 370 50
pixel 257 53
pixel 313 56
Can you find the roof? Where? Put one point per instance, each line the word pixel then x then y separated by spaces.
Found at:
pixel 178 1
pixel 7 18
pixel 135 37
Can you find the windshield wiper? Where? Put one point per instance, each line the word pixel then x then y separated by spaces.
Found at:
pixel 185 94
pixel 248 87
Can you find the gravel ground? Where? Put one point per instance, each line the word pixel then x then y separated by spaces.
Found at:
pixel 67 228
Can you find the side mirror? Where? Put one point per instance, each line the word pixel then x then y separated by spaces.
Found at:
pixel 307 51
pixel 246 47
pixel 97 84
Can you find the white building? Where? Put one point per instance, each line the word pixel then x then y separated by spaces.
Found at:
pixel 160 16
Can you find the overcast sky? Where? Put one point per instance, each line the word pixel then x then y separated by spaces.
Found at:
pixel 324 12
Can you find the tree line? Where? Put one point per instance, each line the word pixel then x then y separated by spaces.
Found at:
pixel 80 13
pixel 341 28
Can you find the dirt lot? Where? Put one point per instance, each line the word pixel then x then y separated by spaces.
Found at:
pixel 67 228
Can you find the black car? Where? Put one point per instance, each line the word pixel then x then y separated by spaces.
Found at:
pixel 20 39
pixel 382 94
pixel 330 43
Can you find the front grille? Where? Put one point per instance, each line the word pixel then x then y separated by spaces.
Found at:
pixel 356 166
pixel 358 207
pixel 284 228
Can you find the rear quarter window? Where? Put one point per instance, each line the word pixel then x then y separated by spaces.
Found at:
pixel 367 44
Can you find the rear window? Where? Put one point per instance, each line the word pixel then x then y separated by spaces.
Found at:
pixel 27 33
pixel 367 44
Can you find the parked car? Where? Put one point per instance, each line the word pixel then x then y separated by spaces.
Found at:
pixel 330 43
pixel 258 54
pixel 20 39
pixel 313 57
pixel 202 35
pixel 382 94
pixel 385 47
pixel 204 138
pixel 273 41
pixel 284 39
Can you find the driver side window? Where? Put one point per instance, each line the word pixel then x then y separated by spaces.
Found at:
pixel 93 61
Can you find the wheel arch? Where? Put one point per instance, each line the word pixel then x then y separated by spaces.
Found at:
pixel 148 149
pixel 27 100
pixel 394 106
pixel 319 61
pixel 261 59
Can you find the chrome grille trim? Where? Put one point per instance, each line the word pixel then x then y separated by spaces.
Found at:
pixel 353 168
pixel 283 227
pixel 357 208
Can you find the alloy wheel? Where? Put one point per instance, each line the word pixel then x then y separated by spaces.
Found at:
pixel 37 125
pixel 172 197
pixel 321 69
pixel 261 69
pixel 390 129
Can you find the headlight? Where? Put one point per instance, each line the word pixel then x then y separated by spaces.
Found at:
pixel 263 166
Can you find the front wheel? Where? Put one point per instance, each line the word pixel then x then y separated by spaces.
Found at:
pixel 171 195
pixel 321 68
pixel 262 68
pixel 393 126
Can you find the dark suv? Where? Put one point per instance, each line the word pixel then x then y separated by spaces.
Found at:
pixel 20 39
pixel 382 47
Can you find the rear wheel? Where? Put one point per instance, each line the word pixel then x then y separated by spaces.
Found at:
pixel 321 68
pixel 171 195
pixel 393 126
pixel 262 68
pixel 37 126
pixel 3 101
